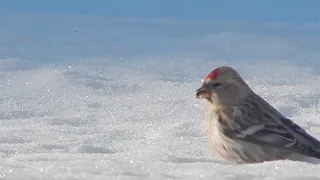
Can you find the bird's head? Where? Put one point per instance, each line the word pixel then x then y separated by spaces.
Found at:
pixel 223 86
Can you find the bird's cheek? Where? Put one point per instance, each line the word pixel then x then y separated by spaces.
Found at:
pixel 214 98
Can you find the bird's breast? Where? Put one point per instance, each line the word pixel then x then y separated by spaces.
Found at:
pixel 221 144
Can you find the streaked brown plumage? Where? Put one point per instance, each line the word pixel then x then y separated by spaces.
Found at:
pixel 244 128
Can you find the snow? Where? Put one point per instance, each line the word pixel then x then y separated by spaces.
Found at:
pixel 136 117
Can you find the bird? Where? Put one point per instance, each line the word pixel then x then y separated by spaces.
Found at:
pixel 243 128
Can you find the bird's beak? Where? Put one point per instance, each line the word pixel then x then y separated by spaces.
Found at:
pixel 203 92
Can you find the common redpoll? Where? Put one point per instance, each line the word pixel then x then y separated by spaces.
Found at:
pixel 244 128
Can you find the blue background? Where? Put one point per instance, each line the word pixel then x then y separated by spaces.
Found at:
pixel 293 11
pixel 62 30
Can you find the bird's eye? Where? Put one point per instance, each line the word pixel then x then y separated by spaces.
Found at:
pixel 215 85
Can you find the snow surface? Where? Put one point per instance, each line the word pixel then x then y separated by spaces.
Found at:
pixel 139 120
pixel 136 117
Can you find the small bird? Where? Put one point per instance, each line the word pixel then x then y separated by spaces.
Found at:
pixel 244 128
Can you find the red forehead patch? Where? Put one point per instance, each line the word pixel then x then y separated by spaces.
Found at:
pixel 214 74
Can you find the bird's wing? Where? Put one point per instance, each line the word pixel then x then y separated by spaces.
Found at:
pixel 280 132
